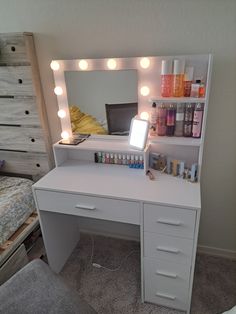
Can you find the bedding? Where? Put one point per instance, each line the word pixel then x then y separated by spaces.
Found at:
pixel 16 204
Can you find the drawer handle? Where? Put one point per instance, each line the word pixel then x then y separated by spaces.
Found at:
pixel 82 206
pixel 169 222
pixel 165 274
pixel 166 249
pixel 166 296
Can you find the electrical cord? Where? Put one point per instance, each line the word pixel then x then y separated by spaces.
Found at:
pixel 100 266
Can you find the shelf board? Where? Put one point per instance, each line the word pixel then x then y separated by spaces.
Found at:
pixel 177 99
pixel 173 140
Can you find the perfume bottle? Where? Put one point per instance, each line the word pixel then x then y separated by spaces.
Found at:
pixel 197 120
pixel 170 120
pixel 166 78
pixel 188 119
pixel 188 79
pixel 179 121
pixel 161 120
pixel 178 78
pixel 153 119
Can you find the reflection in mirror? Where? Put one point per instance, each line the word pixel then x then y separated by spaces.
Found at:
pixel 90 93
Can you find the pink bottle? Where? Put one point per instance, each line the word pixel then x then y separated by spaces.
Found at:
pixel 161 120
pixel 166 78
pixel 197 120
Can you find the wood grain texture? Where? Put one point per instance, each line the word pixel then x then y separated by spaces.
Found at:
pixel 16 80
pixel 19 111
pixel 13 49
pixel 22 138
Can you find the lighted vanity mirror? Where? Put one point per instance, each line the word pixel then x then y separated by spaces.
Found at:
pixel 90 84
pixel 102 102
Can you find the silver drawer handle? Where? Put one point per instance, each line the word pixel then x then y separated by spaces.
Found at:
pixel 166 249
pixel 166 296
pixel 169 222
pixel 83 206
pixel 166 274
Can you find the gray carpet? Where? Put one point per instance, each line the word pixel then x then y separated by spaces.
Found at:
pixel 119 292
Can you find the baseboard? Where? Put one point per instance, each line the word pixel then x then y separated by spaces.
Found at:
pixel 216 252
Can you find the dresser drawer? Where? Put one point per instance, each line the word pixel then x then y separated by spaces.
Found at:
pixel 89 206
pixel 174 249
pixel 166 283
pixel 169 220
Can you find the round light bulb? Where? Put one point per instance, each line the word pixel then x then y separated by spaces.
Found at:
pixel 65 135
pixel 145 91
pixel 55 65
pixel 58 90
pixel 61 113
pixel 83 65
pixel 145 62
pixel 111 64
pixel 144 115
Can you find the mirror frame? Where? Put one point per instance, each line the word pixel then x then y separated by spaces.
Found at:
pixel 148 72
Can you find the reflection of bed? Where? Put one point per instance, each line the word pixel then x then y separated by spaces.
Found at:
pixel 16 205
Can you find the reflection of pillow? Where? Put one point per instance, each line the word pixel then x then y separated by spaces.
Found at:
pixel 84 123
pixel 2 163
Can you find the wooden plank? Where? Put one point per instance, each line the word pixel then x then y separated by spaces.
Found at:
pixel 17 261
pixel 13 49
pixel 28 139
pixel 16 80
pixel 35 164
pixel 19 111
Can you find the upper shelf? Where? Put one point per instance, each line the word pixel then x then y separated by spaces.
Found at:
pixel 177 99
pixel 173 140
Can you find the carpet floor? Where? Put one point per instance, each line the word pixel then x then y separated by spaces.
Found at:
pixel 118 292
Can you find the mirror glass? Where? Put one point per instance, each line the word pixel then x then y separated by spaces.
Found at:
pixel 88 92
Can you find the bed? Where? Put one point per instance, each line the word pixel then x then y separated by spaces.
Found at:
pixel 25 144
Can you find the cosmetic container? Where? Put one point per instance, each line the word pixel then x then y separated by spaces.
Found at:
pixel 153 119
pixel 99 157
pixel 115 159
pixel 132 159
pixel 128 159
pixel 197 120
pixel 195 89
pixel 179 120
pixel 202 90
pixel 161 120
pixel 166 78
pixel 188 79
pixel 170 120
pixel 124 162
pixel 188 120
pixel 107 158
pixel 136 159
pixel 178 78
pixel 119 159
pixel 111 158
pixel 103 158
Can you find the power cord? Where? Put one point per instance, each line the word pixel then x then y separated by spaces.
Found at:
pixel 109 269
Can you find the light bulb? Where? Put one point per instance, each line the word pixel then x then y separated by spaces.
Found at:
pixel 83 65
pixel 111 64
pixel 144 90
pixel 55 65
pixel 65 135
pixel 144 115
pixel 145 62
pixel 58 90
pixel 61 113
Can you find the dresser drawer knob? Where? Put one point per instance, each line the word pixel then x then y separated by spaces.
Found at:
pixel 87 207
pixel 167 249
pixel 166 274
pixel 169 222
pixel 166 296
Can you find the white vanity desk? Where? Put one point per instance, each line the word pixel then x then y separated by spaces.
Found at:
pixel 167 210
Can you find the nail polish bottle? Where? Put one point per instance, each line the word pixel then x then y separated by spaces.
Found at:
pixel 188 79
pixel 161 120
pixel 197 120
pixel 119 159
pixel 111 158
pixel 107 158
pixel 124 161
pixel 166 78
pixel 178 78
pixel 188 120
pixel 115 159
pixel 128 159
pixel 170 120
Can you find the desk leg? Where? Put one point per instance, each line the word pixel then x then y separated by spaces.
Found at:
pixel 60 235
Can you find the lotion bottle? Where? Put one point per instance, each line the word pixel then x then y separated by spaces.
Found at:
pixel 179 122
pixel 166 78
pixel 197 120
pixel 178 78
pixel 170 120
pixel 161 120
pixel 188 79
pixel 153 119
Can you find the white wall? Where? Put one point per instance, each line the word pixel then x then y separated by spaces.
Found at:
pixel 67 29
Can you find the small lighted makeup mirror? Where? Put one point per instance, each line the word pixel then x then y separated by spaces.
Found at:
pixel 138 133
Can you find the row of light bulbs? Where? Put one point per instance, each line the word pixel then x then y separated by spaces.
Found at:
pixel 111 65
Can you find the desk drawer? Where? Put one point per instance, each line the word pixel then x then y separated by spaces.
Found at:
pixel 169 220
pixel 166 283
pixel 174 249
pixel 89 206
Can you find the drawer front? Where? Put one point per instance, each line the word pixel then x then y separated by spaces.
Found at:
pixel 166 283
pixel 174 249
pixel 169 220
pixel 89 206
